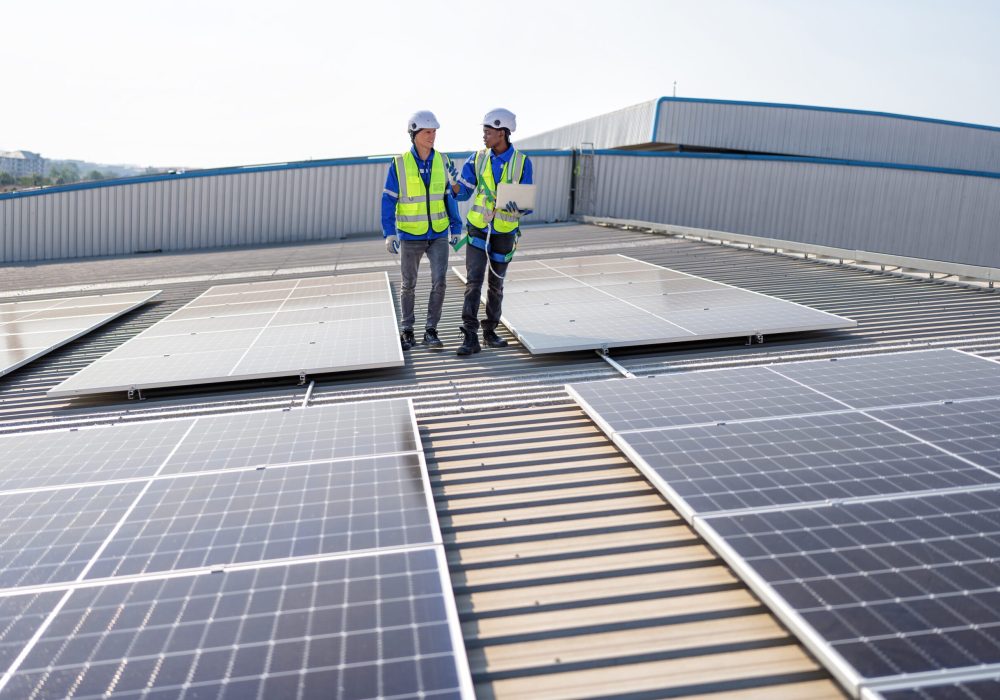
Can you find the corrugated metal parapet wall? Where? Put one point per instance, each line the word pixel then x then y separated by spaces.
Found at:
pixel 318 200
pixel 902 211
pixel 821 132
pixel 799 130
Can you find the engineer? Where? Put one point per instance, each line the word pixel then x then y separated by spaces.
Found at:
pixel 418 210
pixel 493 228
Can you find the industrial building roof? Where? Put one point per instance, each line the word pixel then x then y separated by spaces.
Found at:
pixel 573 576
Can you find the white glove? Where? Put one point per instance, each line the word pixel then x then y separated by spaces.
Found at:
pixel 392 244
pixel 452 170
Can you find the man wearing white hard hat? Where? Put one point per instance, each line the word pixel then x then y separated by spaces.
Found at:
pixel 418 211
pixel 493 227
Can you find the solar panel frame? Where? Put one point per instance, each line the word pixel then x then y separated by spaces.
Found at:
pixel 98 310
pixel 617 321
pixel 171 354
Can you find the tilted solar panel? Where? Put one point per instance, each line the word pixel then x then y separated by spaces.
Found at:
pixel 255 330
pixel 607 301
pixel 31 329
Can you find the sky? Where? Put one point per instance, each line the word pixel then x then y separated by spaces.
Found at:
pixel 208 83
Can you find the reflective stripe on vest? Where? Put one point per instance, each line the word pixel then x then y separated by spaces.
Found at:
pixel 484 207
pixel 416 210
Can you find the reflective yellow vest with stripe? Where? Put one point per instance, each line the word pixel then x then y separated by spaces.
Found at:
pixel 484 207
pixel 418 210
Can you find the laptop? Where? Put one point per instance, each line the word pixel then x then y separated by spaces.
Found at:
pixel 523 195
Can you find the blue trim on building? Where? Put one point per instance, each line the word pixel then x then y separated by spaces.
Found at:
pixel 796 159
pixel 840 110
pixel 235 170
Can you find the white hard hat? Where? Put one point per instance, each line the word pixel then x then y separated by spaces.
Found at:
pixel 500 119
pixel 422 120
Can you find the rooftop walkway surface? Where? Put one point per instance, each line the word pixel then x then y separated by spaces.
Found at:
pixel 573 576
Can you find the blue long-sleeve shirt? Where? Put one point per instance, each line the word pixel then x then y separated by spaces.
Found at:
pixel 468 178
pixel 390 195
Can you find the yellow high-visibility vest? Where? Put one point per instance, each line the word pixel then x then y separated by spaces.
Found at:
pixel 417 209
pixel 484 207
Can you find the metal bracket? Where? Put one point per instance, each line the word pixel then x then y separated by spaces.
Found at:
pixel 305 401
pixel 758 336
pixel 135 392
pixel 302 377
pixel 603 354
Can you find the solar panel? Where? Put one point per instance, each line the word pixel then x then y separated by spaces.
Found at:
pixel 859 498
pixel 30 329
pixel 368 626
pixel 899 378
pixel 267 554
pixel 61 457
pixel 610 301
pixel 986 689
pixel 50 536
pixel 894 587
pixel 238 516
pixel 256 330
pixel 691 398
pixel 970 430
pixel 790 461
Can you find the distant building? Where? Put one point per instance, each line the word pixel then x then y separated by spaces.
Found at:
pixel 21 163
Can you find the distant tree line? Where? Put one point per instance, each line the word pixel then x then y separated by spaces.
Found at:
pixel 58 175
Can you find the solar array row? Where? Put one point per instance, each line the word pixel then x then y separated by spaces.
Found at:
pixel 264 554
pixel 861 497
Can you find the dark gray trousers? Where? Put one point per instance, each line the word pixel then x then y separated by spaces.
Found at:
pixel 476 273
pixel 410 253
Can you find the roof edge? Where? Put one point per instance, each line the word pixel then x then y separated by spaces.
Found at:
pixel 839 110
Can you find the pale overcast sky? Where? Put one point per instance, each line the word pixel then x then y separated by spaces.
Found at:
pixel 204 83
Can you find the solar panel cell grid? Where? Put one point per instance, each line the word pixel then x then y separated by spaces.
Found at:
pixel 987 689
pixel 699 397
pixel 244 516
pixel 888 380
pixel 970 430
pixel 791 461
pixel 20 617
pixel 50 536
pixel 361 627
pixel 899 586
pixel 34 460
pixel 339 431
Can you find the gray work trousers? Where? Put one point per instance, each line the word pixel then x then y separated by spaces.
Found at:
pixel 410 253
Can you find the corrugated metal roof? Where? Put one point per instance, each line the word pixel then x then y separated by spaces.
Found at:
pixel 573 577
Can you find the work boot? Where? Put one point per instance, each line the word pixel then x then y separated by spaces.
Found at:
pixel 406 339
pixel 491 338
pixel 431 339
pixel 470 345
